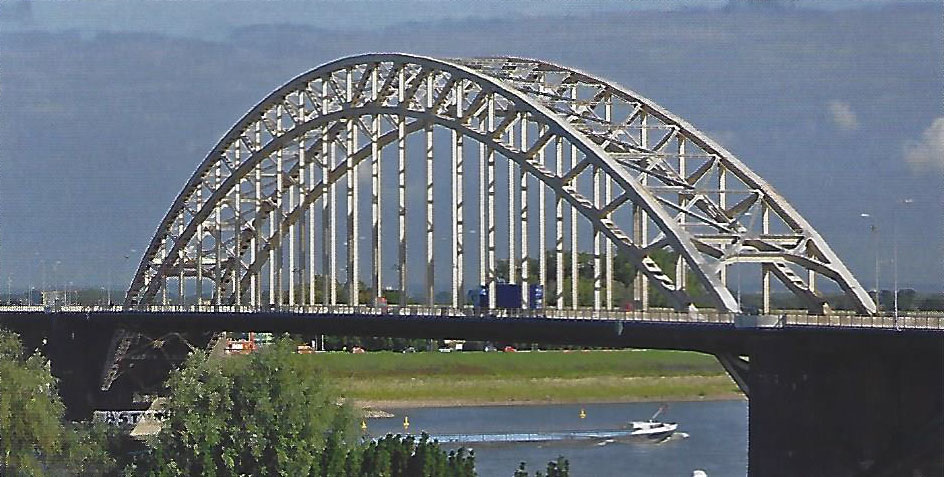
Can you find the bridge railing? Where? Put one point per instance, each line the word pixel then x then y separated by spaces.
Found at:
pixel 913 320
pixel 654 315
pixel 907 320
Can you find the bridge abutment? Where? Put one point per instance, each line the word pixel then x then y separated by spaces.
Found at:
pixel 846 405
pixel 81 351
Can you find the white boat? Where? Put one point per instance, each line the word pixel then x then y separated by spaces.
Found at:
pixel 652 429
pixel 635 431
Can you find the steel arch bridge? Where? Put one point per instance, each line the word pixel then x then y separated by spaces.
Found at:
pixel 607 170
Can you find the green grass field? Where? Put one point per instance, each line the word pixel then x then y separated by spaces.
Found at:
pixel 551 376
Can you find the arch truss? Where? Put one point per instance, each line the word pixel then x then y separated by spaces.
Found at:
pixel 562 171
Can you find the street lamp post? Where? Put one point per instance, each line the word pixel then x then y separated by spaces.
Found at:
pixel 108 285
pixel 125 265
pixel 42 267
pixel 900 202
pixel 874 232
pixel 57 277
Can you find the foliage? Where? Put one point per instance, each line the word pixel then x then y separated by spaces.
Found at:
pixel 365 293
pixel 932 302
pixel 407 456
pixel 264 414
pixel 624 272
pixel 89 448
pixel 555 468
pixel 33 439
pixel 249 416
pixel 369 343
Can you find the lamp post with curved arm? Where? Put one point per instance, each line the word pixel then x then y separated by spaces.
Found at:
pixel 873 228
pixel 902 203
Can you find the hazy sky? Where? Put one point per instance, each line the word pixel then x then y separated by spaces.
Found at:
pixel 107 107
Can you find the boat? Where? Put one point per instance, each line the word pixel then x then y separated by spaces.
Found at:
pixel 635 431
pixel 652 430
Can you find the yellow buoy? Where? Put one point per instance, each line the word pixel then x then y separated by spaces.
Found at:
pixel 406 423
pixel 583 413
pixel 363 425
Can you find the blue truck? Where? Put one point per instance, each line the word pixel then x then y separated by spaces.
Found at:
pixel 508 295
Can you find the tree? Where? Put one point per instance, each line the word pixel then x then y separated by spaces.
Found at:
pixel 933 302
pixel 907 298
pixel 408 456
pixel 263 415
pixel 624 273
pixel 33 439
pixel 249 416
pixel 555 468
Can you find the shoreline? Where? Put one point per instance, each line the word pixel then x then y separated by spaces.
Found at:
pixel 381 381
pixel 426 392
pixel 386 405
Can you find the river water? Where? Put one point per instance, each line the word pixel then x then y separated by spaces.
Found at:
pixel 717 441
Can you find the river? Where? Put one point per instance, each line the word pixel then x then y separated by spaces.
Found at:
pixel 717 441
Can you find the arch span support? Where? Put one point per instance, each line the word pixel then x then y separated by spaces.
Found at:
pixel 257 224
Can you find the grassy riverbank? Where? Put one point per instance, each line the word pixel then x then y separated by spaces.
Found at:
pixel 431 379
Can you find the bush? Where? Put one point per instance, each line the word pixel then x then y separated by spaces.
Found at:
pixel 259 415
pixel 248 417
pixel 555 468
pixel 33 438
pixel 408 456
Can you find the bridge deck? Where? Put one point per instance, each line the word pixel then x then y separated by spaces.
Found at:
pixel 907 320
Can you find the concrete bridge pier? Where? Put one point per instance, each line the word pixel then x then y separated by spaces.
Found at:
pixel 846 405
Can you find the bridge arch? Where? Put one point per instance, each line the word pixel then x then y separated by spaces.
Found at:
pixel 259 211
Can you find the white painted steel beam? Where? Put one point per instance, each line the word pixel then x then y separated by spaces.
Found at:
pixel 455 199
pixel 327 239
pixel 401 189
pixel 641 227
pixel 559 229
pixel 523 214
pixel 608 198
pixel 238 225
pixel 430 265
pixel 765 273
pixel 459 198
pixel 574 251
pixel 376 202
pixel 680 276
pixel 483 225
pixel 542 225
pixel 198 259
pixel 332 231
pixel 597 264
pixel 490 214
pixel 256 278
pixel 353 224
pixel 512 220
pixel 309 190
